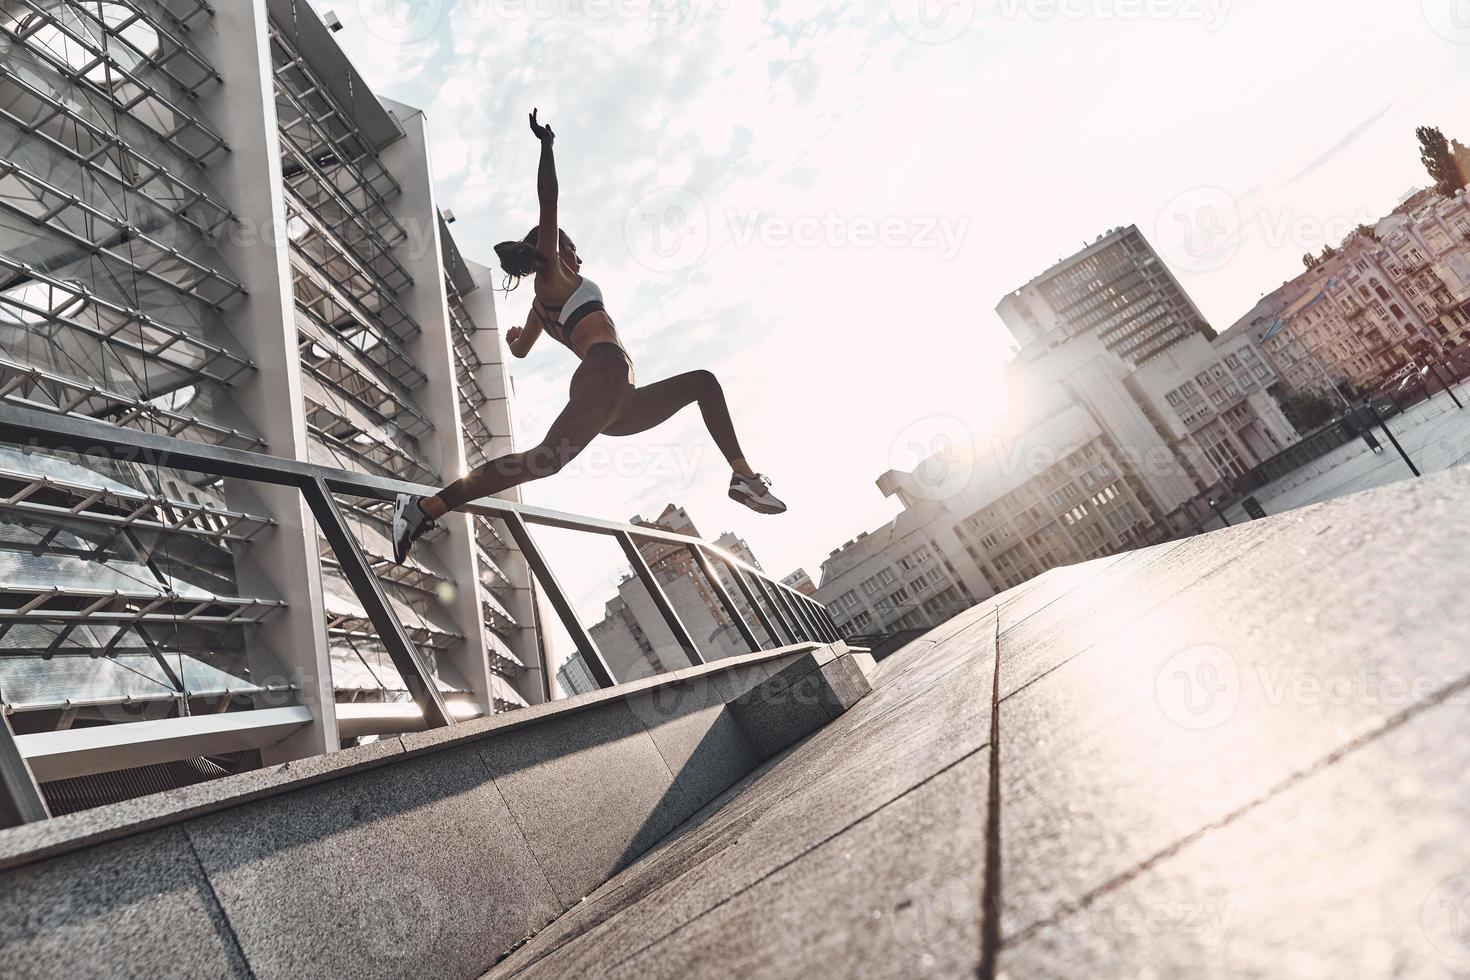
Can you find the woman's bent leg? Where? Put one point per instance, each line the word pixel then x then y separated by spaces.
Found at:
pixel 656 403
pixel 586 415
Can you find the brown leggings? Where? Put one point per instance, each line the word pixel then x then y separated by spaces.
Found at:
pixel 603 399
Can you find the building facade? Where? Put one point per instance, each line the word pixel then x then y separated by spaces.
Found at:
pixel 210 228
pixel 1135 414
pixel 801 582
pixel 1118 290
pixel 1386 296
pixel 632 635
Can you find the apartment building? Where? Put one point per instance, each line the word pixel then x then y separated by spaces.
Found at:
pixel 1385 296
pixel 1124 437
pixel 1118 290
pixel 191 248
pixel 801 582
pixel 632 635
pixel 894 579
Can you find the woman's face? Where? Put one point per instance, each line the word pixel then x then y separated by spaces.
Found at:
pixel 569 254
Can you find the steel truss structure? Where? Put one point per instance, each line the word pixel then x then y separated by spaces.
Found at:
pixel 800 618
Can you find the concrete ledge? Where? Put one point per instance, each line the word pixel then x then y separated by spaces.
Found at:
pixel 33 842
pixel 432 852
pixel 800 699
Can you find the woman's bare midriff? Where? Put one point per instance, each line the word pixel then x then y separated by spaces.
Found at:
pixel 595 328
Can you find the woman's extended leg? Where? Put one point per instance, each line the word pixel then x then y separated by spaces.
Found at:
pixel 600 390
pixel 655 404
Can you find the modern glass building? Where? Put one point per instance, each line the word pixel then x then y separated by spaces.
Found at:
pixel 210 228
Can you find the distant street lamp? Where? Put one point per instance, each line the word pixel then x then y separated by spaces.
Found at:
pixel 1215 506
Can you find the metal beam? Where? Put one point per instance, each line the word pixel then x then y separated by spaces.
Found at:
pixel 106 748
pixel 733 611
pixel 20 799
pixel 596 666
pixel 50 430
pixel 369 591
pixel 660 598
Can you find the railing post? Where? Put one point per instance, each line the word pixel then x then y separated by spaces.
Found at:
pixel 20 798
pixel 591 656
pixel 752 601
pixel 806 614
pixel 723 594
pixel 819 615
pixel 660 598
pixel 797 623
pixel 786 627
pixel 369 591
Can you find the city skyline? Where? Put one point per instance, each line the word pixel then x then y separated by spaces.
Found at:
pixel 1312 162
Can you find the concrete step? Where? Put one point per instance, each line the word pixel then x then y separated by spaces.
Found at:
pixel 432 853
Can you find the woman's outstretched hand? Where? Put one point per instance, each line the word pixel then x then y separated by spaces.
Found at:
pixel 512 335
pixel 543 132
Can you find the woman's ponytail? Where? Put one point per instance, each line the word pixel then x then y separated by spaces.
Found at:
pixel 522 258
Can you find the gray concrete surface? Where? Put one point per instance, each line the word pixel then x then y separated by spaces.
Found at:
pixel 1238 755
pixel 1434 433
pixel 432 854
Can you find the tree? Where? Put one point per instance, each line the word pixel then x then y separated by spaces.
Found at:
pixel 1308 411
pixel 1434 151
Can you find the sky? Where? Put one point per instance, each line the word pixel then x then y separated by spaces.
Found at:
pixel 822 201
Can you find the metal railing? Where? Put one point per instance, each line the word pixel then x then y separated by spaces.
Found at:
pixel 786 615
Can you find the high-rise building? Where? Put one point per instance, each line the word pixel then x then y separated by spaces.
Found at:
pixel 632 635
pixel 801 582
pixel 191 247
pixel 1118 290
pixel 1134 414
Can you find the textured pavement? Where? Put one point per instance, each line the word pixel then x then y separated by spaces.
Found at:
pixel 1243 754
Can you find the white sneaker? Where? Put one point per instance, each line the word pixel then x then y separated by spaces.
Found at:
pixel 409 522
pixel 755 494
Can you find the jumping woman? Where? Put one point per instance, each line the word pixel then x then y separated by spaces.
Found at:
pixel 603 397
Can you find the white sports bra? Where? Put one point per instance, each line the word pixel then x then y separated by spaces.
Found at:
pixel 585 300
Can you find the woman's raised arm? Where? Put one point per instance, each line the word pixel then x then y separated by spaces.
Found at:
pixel 547 237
